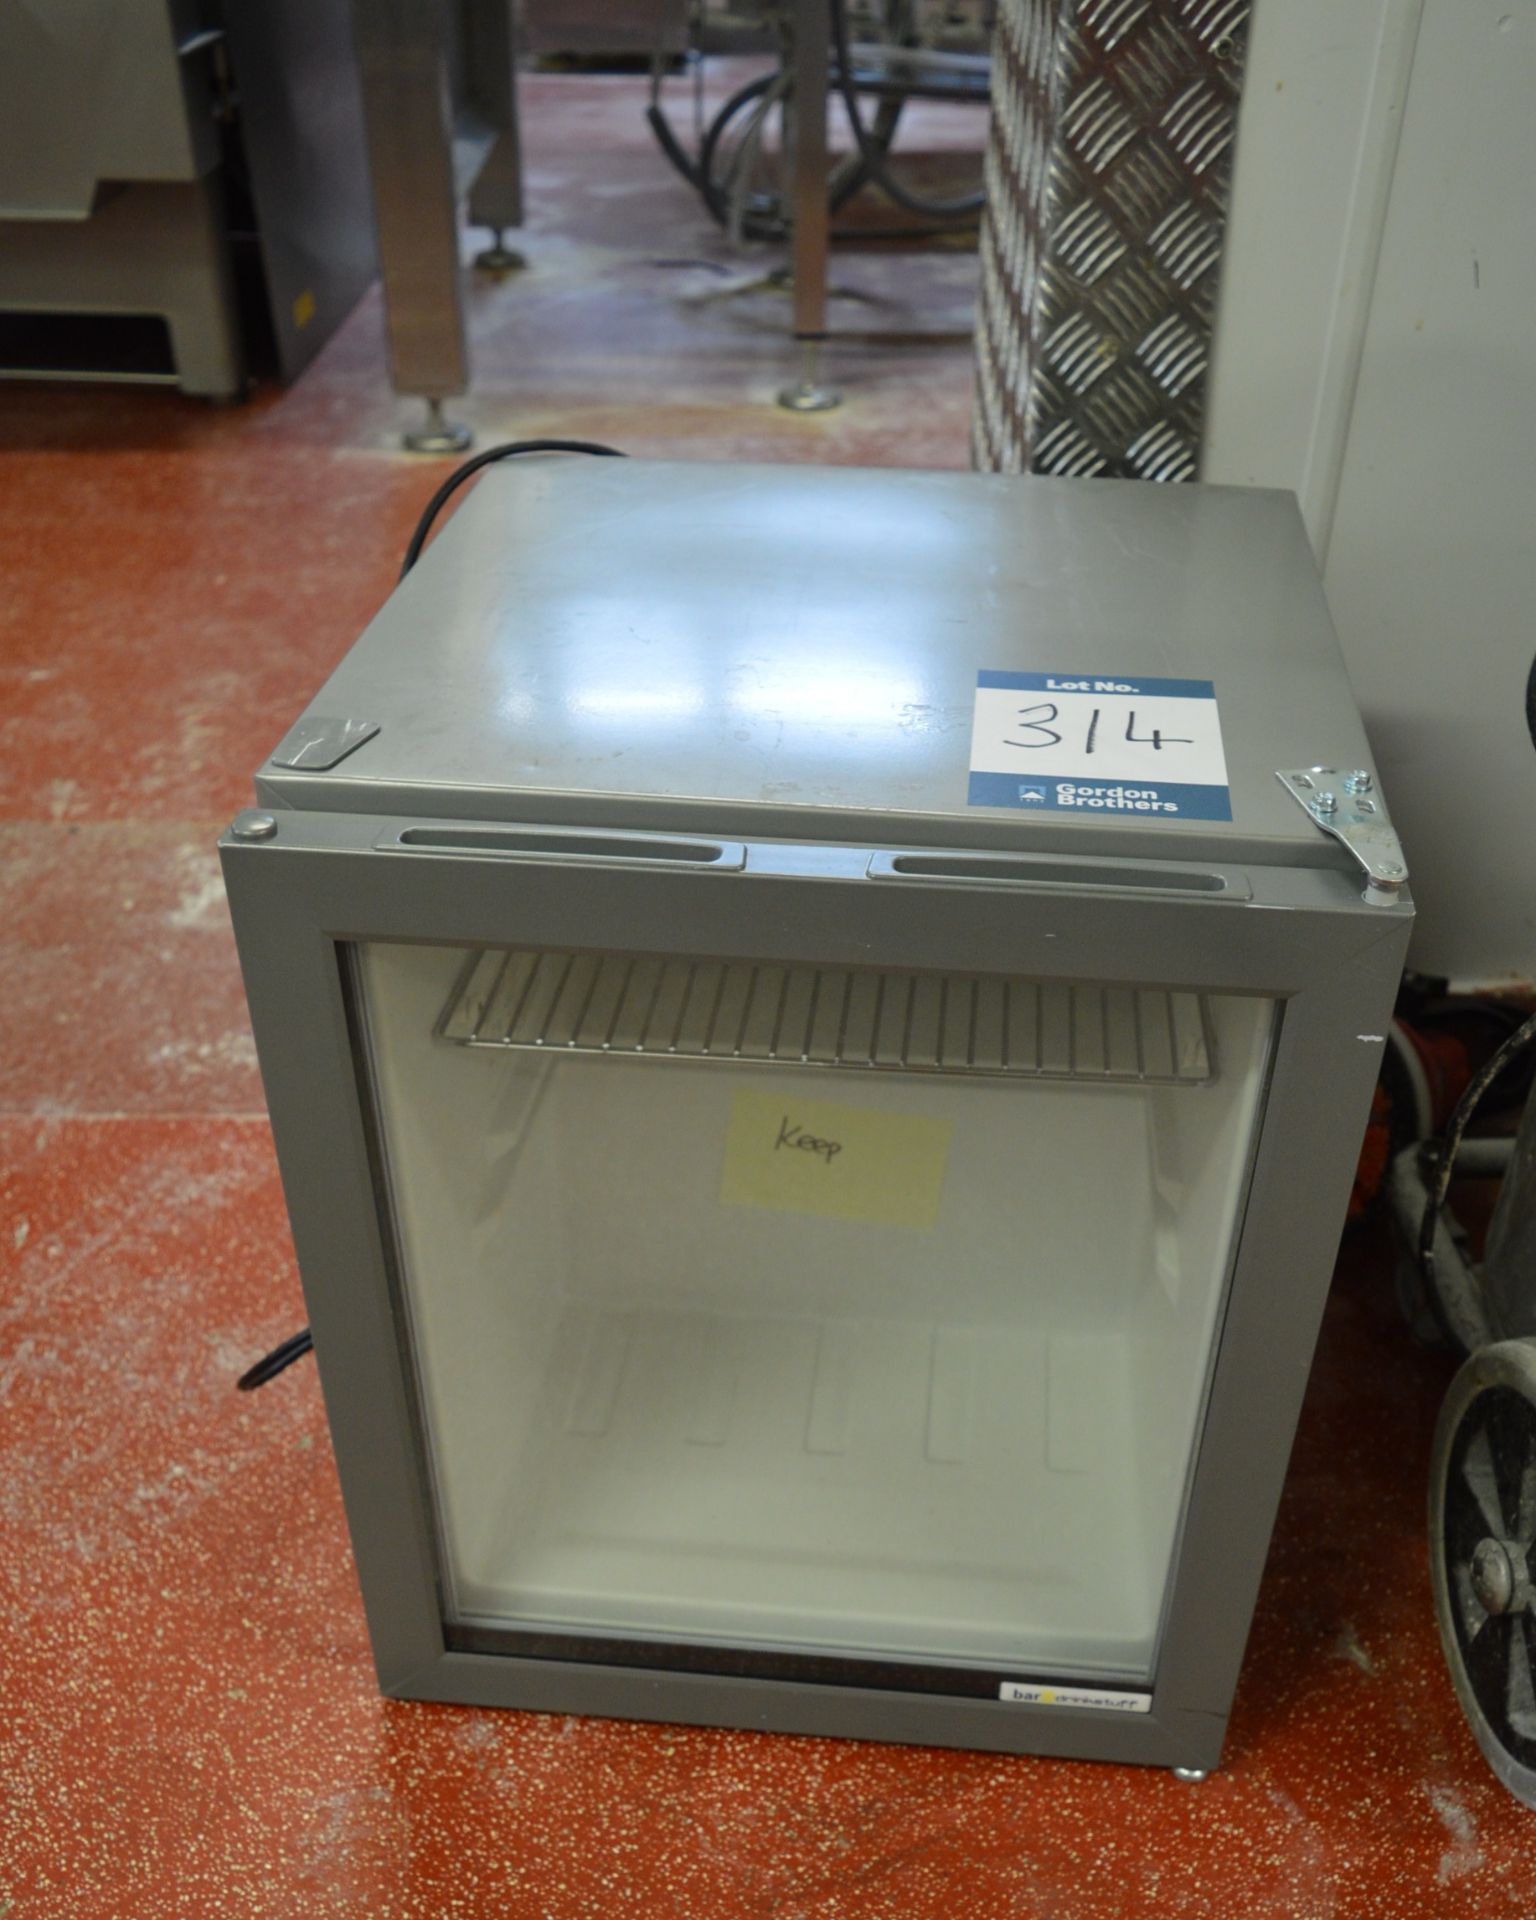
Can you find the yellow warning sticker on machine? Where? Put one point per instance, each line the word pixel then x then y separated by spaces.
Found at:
pixel 845 1162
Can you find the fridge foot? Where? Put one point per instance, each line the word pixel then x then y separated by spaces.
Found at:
pixel 1191 1776
pixel 437 433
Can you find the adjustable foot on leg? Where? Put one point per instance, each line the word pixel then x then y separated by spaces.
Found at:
pixel 437 433
pixel 810 394
pixel 498 257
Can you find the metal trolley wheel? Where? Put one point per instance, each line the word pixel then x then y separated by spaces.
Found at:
pixel 1482 1529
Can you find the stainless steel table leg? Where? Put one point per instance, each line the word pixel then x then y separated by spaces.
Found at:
pixel 402 49
pixel 490 68
pixel 810 394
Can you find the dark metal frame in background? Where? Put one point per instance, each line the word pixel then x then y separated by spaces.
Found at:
pixel 439 89
pixel 440 108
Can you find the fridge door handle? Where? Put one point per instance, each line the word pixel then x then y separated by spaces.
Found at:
pixel 1062 870
pixel 562 844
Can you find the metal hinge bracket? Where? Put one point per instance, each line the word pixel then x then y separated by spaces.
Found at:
pixel 1343 802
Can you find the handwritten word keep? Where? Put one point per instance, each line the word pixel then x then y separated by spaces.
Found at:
pixel 797 1140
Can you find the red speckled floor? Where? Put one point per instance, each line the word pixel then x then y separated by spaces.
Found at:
pixel 188 1721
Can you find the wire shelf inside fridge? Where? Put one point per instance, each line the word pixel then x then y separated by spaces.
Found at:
pixel 861 1019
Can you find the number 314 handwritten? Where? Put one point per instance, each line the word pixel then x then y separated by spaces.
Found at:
pixel 1037 720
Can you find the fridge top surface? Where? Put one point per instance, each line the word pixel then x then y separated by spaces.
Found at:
pixel 887 657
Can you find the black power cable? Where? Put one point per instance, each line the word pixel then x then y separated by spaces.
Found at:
pixel 1445 1166
pixel 764 218
pixel 758 223
pixel 1530 703
pixel 874 160
pixel 282 1356
pixel 270 1365
pixel 509 450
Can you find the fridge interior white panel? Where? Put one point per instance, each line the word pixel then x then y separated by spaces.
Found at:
pixel 650 1411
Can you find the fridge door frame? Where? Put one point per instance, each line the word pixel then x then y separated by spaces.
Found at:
pixel 1301 936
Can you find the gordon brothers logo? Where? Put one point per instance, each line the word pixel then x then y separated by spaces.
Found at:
pixel 1078 795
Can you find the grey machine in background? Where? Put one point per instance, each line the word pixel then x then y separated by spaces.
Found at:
pixel 183 189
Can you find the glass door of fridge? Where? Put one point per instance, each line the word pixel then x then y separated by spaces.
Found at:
pixel 795 1312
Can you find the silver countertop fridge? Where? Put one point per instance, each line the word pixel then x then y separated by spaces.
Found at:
pixel 818 1025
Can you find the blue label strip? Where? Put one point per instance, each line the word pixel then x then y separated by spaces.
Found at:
pixel 1096 683
pixel 1146 800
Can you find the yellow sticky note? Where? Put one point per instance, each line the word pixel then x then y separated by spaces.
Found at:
pixel 304 308
pixel 846 1162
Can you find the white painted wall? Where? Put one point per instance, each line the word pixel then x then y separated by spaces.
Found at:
pixel 1376 352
